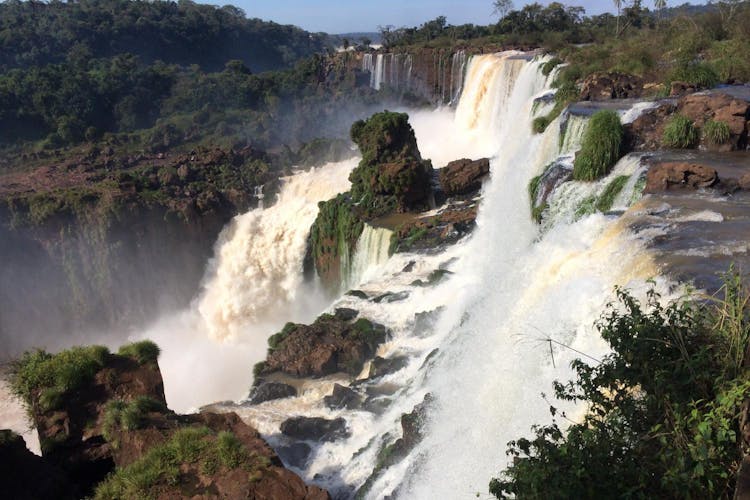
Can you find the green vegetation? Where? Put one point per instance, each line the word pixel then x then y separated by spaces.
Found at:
pixel 372 335
pixel 680 132
pixel 601 146
pixel 275 340
pixel 716 132
pixel 43 379
pixel 607 198
pixel 551 65
pixel 536 210
pixel 334 234
pixel 663 409
pixel 120 415
pixel 143 351
pixel 567 92
pixel 162 466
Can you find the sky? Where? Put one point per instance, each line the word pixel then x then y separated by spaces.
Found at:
pixel 347 16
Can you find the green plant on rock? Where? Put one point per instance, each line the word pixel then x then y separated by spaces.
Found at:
pixel 601 146
pixel 275 340
pixel 144 351
pixel 41 378
pixel 551 65
pixel 701 75
pixel 680 132
pixel 121 415
pixel 716 132
pixel 663 408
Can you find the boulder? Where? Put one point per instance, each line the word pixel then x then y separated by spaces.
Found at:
pixel 605 86
pixel 384 366
pixel 389 297
pixel 345 314
pixel 744 182
pixel 314 428
pixel 671 175
pixel 461 177
pixel 679 89
pixel 342 397
pixel 330 345
pixel 269 391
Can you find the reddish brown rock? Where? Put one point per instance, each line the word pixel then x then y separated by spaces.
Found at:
pixel 328 346
pixel 605 86
pixel 671 175
pixel 744 182
pixel 703 107
pixel 463 176
pixel 29 477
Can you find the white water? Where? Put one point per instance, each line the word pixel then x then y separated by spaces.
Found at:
pixel 510 288
pixel 370 255
pixel 257 268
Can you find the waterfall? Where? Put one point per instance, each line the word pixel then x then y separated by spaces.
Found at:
pixel 458 69
pixel 572 132
pixel 257 268
pixel 370 254
pixel 378 73
pixel 367 63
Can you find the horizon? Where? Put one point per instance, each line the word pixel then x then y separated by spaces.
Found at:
pixel 337 16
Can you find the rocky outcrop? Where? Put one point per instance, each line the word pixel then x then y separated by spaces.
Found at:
pixel 463 176
pixel 646 132
pixel 605 86
pixel 314 429
pixel 673 175
pixel 329 345
pixel 269 391
pixel 109 430
pixel 342 397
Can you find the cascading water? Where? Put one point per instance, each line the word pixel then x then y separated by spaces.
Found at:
pixel 370 254
pixel 258 265
pixel 458 69
pixel 476 345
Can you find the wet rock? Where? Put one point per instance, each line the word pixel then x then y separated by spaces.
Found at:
pixel 675 175
pixel 342 397
pixel 295 455
pixel 409 267
pixel 553 176
pixel 377 405
pixel 357 293
pixel 424 322
pixel 389 297
pixel 744 182
pixel 269 391
pixel 463 176
pixel 384 366
pixel 330 345
pixel 605 86
pixel 346 314
pixel 314 428
pixel 433 279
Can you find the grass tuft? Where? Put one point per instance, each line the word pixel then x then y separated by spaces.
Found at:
pixel 601 146
pixel 680 133
pixel 716 132
pixel 144 351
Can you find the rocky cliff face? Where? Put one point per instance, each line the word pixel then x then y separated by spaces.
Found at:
pixel 106 432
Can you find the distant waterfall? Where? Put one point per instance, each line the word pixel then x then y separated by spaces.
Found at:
pixel 458 70
pixel 257 268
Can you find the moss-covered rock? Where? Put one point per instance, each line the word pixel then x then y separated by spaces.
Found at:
pixel 392 175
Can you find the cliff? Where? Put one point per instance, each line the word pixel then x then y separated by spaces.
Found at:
pixel 105 428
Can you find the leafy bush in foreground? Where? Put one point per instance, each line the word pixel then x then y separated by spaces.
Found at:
pixel 663 407
pixel 601 146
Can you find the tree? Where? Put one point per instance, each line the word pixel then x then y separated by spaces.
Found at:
pixel 502 8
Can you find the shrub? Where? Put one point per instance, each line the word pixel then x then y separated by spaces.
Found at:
pixel 540 124
pixel 699 74
pixel 51 376
pixel 144 351
pixel 680 132
pixel 127 416
pixel 275 340
pixel 550 65
pixel 716 132
pixel 600 148
pixel 663 407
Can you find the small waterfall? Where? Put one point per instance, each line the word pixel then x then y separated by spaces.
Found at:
pixel 257 269
pixel 458 70
pixel 371 253
pixel 378 73
pixel 367 63
pixel 571 135
pixel 258 195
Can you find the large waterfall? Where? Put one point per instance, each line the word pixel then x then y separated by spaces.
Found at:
pixel 478 341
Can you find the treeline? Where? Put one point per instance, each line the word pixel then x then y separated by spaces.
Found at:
pixel 34 33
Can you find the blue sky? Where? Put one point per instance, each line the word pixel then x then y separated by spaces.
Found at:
pixel 337 16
